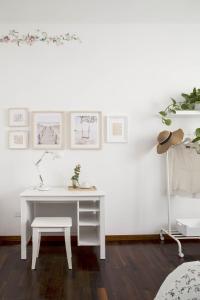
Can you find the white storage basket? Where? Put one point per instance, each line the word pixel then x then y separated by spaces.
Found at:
pixel 188 227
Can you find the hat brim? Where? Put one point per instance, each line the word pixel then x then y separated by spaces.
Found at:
pixel 176 138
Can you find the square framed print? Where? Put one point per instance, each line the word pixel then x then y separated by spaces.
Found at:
pixel 18 139
pixel 18 117
pixel 117 129
pixel 47 129
pixel 85 130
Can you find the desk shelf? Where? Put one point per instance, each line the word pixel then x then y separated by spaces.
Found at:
pixel 85 206
pixel 88 216
pixel 89 209
pixel 89 236
pixel 89 219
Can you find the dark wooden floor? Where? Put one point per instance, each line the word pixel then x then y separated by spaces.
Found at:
pixel 133 270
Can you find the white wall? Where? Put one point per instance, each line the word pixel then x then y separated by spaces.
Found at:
pixel 126 69
pixel 98 12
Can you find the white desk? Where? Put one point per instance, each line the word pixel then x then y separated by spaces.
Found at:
pixel 90 215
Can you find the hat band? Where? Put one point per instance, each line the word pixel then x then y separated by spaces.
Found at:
pixel 167 139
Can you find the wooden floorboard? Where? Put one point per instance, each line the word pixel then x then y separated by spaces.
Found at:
pixel 133 270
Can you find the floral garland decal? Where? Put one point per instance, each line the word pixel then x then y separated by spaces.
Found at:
pixel 15 37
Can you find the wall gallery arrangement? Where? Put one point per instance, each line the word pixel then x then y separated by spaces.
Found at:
pixel 51 129
pixel 18 139
pixel 85 130
pixel 18 117
pixel 47 130
pixel 117 129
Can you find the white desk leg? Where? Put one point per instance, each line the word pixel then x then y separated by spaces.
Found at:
pixel 26 218
pixel 102 229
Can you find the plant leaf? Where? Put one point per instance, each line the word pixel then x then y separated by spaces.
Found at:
pixel 174 101
pixel 184 106
pixel 196 139
pixel 185 96
pixel 177 107
pixel 163 113
pixel 167 122
pixel 193 99
pixel 197 132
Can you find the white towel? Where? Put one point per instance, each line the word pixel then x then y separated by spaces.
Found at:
pixel 184 169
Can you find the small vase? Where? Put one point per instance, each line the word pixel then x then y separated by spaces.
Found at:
pixel 74 183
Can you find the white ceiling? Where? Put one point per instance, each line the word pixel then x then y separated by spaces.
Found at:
pixel 96 11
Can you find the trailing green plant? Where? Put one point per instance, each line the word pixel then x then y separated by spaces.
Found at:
pixel 171 108
pixel 75 177
pixel 187 104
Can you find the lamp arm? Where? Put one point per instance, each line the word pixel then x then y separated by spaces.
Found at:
pixel 37 165
pixel 41 158
pixel 40 176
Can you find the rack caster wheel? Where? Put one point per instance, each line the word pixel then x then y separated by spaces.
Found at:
pixel 181 255
pixel 161 236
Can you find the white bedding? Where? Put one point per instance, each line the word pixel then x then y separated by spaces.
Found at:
pixel 182 284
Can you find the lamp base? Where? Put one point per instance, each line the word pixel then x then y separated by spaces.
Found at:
pixel 43 188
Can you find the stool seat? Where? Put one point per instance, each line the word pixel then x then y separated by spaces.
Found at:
pixel 52 222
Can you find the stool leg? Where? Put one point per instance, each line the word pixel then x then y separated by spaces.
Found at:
pixel 68 246
pixel 34 247
pixel 39 240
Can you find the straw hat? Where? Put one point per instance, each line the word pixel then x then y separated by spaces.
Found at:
pixel 167 138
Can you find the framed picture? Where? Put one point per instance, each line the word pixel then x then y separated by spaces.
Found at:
pixel 18 117
pixel 117 129
pixel 18 139
pixel 85 130
pixel 47 129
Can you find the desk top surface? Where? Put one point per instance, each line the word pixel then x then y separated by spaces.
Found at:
pixel 60 192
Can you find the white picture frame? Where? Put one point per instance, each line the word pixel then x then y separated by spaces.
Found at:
pixel 18 117
pixel 117 129
pixel 47 130
pixel 85 130
pixel 18 139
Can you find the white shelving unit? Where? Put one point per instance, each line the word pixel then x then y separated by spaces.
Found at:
pixel 186 113
pixel 88 219
pixel 174 234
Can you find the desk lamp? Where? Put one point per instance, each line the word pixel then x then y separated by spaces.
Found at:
pixel 42 186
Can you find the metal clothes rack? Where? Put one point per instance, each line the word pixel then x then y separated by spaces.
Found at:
pixel 174 234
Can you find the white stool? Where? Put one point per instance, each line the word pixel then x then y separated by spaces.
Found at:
pixel 46 224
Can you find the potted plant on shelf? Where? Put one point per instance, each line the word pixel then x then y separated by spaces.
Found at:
pixel 75 177
pixel 191 102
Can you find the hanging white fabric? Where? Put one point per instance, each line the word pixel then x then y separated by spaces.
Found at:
pixel 184 169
